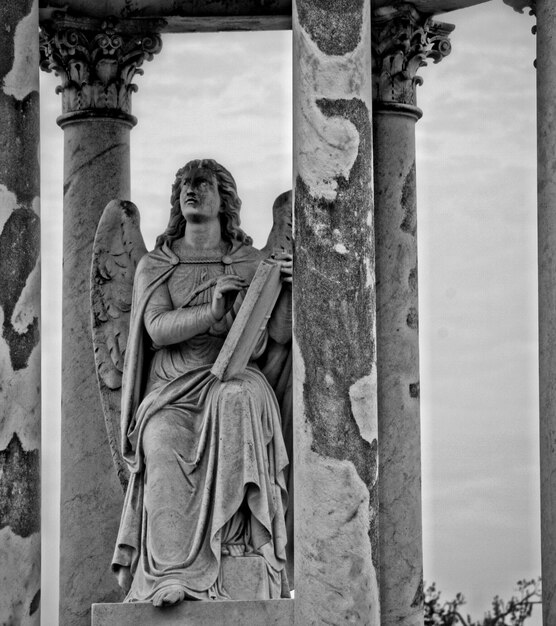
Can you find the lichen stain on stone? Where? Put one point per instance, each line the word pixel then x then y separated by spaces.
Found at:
pixel 19 489
pixel 419 597
pixel 19 139
pixel 409 203
pixel 19 146
pixel 334 25
pixel 335 326
pixel 413 318
pixel 19 252
pixel 35 603
pixel 23 78
pixel 11 13
pixel 415 390
pixel 412 280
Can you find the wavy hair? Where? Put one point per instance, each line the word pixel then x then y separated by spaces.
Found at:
pixel 231 204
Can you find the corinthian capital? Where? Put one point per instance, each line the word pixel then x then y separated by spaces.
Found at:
pixel 403 41
pixel 96 61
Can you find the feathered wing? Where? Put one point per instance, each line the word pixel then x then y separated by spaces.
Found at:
pixel 280 239
pixel 117 250
pixel 277 363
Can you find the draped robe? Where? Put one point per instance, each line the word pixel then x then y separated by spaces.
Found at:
pixel 207 458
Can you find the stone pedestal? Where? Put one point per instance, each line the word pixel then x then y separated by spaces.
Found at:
pixel 245 578
pixel 96 63
pixel 335 438
pixel 232 613
pixel 402 41
pixel 20 427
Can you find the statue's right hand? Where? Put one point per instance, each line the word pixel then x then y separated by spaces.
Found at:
pixel 225 292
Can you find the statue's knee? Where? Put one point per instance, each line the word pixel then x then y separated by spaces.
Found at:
pixel 239 394
pixel 236 390
pixel 158 437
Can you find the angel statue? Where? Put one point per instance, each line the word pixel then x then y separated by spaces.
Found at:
pixel 204 460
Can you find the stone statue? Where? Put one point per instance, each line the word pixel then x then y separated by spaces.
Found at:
pixel 205 461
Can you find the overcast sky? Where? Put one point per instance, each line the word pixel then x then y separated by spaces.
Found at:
pixel 228 96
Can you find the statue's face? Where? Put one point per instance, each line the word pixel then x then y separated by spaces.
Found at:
pixel 199 197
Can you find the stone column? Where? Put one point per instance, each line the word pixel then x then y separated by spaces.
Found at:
pixel 334 329
pixel 96 62
pixel 402 42
pixel 545 11
pixel 546 152
pixel 20 427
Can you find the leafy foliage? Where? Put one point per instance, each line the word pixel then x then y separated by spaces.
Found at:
pixel 514 612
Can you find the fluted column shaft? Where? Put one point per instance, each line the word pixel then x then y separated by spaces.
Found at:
pixel 402 41
pixel 20 426
pixel 334 301
pixel 96 63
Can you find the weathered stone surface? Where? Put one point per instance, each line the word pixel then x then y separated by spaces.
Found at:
pixel 19 315
pixel 166 8
pixel 398 370
pixel 334 364
pixel 546 141
pixel 404 39
pixel 234 613
pixel 245 578
pixel 96 169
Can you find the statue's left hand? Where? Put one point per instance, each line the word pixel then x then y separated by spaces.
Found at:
pixel 286 267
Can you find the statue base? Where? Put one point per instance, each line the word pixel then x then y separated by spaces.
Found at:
pixel 229 612
pixel 245 580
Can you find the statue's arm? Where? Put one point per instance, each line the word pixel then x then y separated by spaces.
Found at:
pixel 167 326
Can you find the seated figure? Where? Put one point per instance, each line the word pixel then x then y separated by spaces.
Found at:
pixel 207 460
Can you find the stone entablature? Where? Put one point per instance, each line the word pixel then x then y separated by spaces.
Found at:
pixel 521 5
pixel 403 41
pixel 96 60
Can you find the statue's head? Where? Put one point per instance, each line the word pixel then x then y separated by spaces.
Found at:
pixel 230 204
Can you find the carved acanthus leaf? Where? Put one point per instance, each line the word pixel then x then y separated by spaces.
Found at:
pixel 95 61
pixel 403 41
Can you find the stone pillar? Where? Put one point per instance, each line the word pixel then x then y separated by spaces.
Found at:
pixel 545 11
pixel 546 152
pixel 402 41
pixel 20 427
pixel 96 62
pixel 334 329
